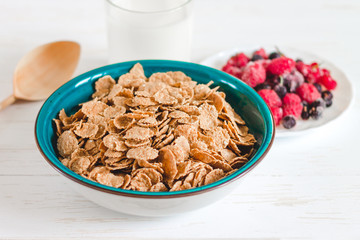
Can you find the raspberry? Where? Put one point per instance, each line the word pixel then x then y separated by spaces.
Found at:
pixel 270 97
pixel 233 70
pixel 308 92
pixel 292 105
pixel 265 62
pixel 261 52
pixel 291 99
pixel 253 74
pixel 303 68
pixel 294 109
pixel 315 74
pixel 328 82
pixel 314 65
pixel 239 60
pixel 277 113
pixel 227 67
pixel 281 65
pixel 324 71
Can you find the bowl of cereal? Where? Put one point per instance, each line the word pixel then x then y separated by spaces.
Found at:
pixel 154 137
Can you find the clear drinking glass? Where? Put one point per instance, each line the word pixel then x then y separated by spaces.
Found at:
pixel 149 29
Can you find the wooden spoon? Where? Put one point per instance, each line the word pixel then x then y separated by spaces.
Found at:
pixel 43 70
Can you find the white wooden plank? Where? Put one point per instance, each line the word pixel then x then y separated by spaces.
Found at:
pixel 259 207
pixel 17 135
pixel 27 162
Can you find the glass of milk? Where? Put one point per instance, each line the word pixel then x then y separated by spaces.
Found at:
pixel 149 29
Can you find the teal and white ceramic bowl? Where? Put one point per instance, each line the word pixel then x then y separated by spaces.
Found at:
pixel 246 102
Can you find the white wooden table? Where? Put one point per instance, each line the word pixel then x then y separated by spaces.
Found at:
pixel 307 187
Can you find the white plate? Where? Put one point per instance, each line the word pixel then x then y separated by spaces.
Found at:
pixel 343 94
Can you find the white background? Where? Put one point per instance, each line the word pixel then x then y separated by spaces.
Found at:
pixel 307 187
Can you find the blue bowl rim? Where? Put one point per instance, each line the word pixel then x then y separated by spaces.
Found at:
pixel 255 160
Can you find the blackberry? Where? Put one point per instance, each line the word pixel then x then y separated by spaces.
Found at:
pixel 290 85
pixel 256 57
pixel 280 90
pixel 305 111
pixel 328 103
pixel 318 87
pixel 262 86
pixel 293 80
pixel 289 121
pixel 316 112
pixel 318 103
pixel 305 115
pixel 327 96
pixel 274 55
pixel 274 80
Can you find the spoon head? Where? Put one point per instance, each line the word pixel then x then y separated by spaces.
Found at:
pixel 44 69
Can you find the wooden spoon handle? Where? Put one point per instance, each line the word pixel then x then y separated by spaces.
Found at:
pixel 7 101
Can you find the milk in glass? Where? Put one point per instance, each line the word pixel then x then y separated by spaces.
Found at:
pixel 149 29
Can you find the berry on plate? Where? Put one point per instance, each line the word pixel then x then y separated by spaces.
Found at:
pixel 289 121
pixel 294 110
pixel 281 65
pixel 303 68
pixel 328 82
pixel 264 85
pixel 261 52
pixel 253 74
pixel 280 90
pixel 270 97
pixel 239 60
pixel 308 92
pixel 293 80
pixel 291 99
pixel 292 105
pixel 274 55
pixel 327 96
pixel 277 113
pixel 305 111
pixel 256 57
pixel 233 70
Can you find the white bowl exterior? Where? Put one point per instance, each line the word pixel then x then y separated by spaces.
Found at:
pixel 154 207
